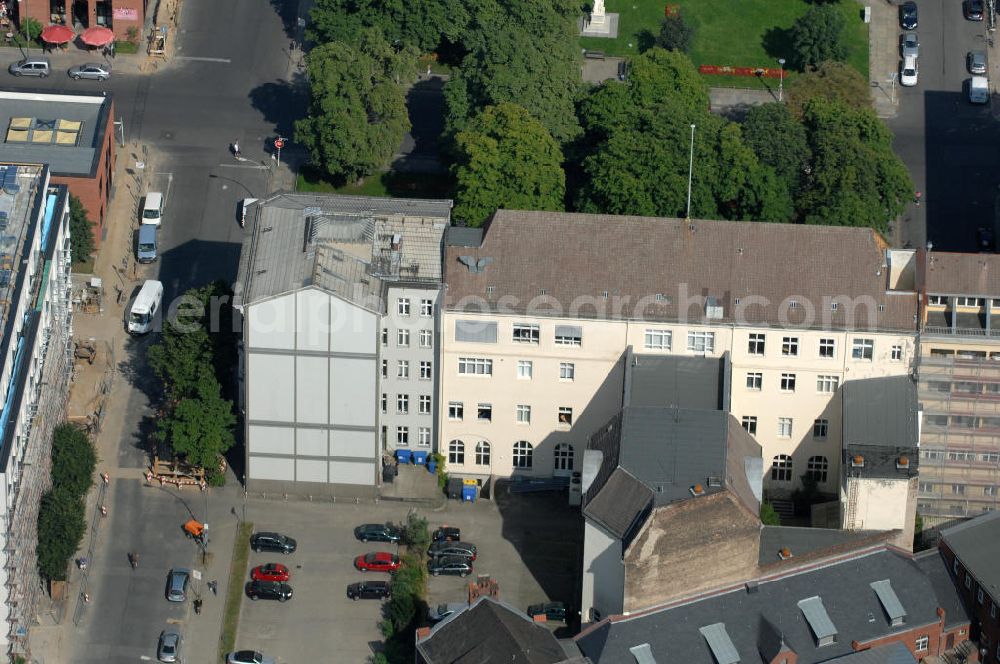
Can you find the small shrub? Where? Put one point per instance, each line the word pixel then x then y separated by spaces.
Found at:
pixel 415 531
pixel 768 516
pixel 675 34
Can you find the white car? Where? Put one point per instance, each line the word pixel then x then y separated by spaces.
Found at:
pixel 908 72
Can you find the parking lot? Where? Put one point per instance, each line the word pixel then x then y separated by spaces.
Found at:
pixel 530 544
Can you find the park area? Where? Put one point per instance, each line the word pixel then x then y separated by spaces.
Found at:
pixel 737 33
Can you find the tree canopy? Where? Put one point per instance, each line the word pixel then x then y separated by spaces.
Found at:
pixel 61 526
pixel 200 427
pixel 830 80
pixel 675 34
pixel 779 140
pixel 817 36
pixel 73 459
pixel 81 231
pixel 420 24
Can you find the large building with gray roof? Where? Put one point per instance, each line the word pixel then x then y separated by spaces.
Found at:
pixel 339 296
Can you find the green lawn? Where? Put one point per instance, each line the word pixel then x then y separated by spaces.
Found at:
pixel 739 33
pixel 234 596
pixel 401 185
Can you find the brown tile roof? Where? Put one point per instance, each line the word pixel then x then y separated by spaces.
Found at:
pixel 572 255
pixel 962 274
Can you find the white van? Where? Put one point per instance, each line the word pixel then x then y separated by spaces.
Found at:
pixel 152 208
pixel 143 311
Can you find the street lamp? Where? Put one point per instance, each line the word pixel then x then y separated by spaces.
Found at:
pixel 690 172
pixel 781 78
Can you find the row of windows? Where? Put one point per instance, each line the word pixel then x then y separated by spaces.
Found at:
pixel 861 348
pixel 821 427
pixel 522 455
pixel 782 468
pixel 522 413
pixel 957 489
pixel 472 331
pixel 825 384
pixel 403 436
pixel 403 404
pixel 403 369
pixel 426 307
pixel 426 338
pixel 978 302
pixel 477 366
pixel 962 421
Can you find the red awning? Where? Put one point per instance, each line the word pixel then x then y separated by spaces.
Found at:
pixel 97 36
pixel 57 34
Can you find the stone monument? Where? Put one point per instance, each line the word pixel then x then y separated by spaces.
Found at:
pixel 600 23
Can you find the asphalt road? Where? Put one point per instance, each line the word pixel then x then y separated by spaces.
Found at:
pixel 949 145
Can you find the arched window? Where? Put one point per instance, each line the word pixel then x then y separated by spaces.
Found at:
pixel 817 467
pixel 781 468
pixel 564 456
pixel 522 454
pixel 456 452
pixel 482 453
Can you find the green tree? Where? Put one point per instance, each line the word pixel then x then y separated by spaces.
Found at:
pixel 32 28
pixel 420 24
pixel 506 159
pixel 81 231
pixel 830 80
pixel 357 114
pixel 779 140
pixel 817 36
pixel 675 34
pixel 61 526
pixel 73 459
pixel 200 427
pixel 768 516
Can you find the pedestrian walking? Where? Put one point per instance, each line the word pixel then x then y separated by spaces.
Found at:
pixel 236 148
pixel 104 510
pixel 916 197
pixel 197 606
pixel 106 478
pixel 214 587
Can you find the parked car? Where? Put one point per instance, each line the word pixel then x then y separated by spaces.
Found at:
pixel 93 71
pixel 909 44
pixel 368 590
pixel 973 9
pixel 908 15
pixel 984 240
pixel 442 611
pixel 462 549
pixel 31 67
pixel 168 649
pixel 272 542
pixel 177 583
pixel 377 561
pixel 456 565
pixel 377 532
pixel 908 72
pixel 269 572
pixel 248 657
pixel 447 534
pixel 975 62
pixel 553 611
pixel 268 590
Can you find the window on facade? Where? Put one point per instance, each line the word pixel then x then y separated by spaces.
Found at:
pixel 482 453
pixel 569 335
pixel 385 402
pixel 484 412
pixel 523 414
pixel 980 596
pixel 990 491
pixel 384 436
pixel 755 380
pixel 790 346
pixel 385 368
pixel 426 338
pixel 456 452
pixel 385 336
pixel 750 424
pixel 567 371
pixel 475 366
pixel 565 415
pixel 756 344
pixel 426 308
pixel 403 403
pixel 424 437
pixel 784 427
pixel 937 300
pixel 524 369
pixel 525 333
pixel 993 610
pixel 403 306
pixel 827 348
pixel 403 369
pixel 781 468
pixel 425 404
pixel 969 301
pixel 426 370
pixel 958 489
pixel 954 566
pixel 925 487
pixel 827 384
pixel 402 435
pixel 968 580
pixel 821 428
pixel 658 339
pixel 787 382
pixel 922 643
pixel 897 353
pixel 817 468
pixel 403 338
pixel 456 410
pixel 563 456
pixel 989 457
pixel 522 453
pixel 862 349
pixel 701 342
pixel 476 331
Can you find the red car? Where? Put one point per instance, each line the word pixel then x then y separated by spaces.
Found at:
pixel 270 572
pixel 377 561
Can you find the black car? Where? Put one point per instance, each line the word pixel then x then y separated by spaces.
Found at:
pixel 377 532
pixel 973 9
pixel 984 239
pixel 269 590
pixel 368 590
pixel 447 534
pixel 457 565
pixel 908 15
pixel 460 549
pixel 553 611
pixel 272 542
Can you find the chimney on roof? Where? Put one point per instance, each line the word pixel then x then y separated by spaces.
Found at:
pixel 857 461
pixel 540 618
pixel 785 553
pixel 902 463
pixel 484 586
pixel 697 490
pixel 422 632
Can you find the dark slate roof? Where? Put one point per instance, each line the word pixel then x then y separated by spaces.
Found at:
pixel 462 236
pixel 977 544
pixel 961 274
pixel 620 503
pixel 936 568
pixel 490 632
pixel 753 613
pixel 803 541
pixel 881 412
pixel 894 653
pixel 675 381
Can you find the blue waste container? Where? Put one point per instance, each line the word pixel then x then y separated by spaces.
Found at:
pixel 469 493
pixel 432 466
pixel 403 456
pixel 419 458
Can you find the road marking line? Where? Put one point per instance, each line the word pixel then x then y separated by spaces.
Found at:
pixel 257 167
pixel 196 58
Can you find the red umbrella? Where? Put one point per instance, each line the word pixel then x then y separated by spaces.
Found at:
pixel 97 36
pixel 57 34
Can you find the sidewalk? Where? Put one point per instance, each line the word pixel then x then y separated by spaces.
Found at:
pixel 883 57
pixel 62 60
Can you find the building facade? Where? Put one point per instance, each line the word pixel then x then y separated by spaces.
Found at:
pixel 539 310
pixel 124 17
pixel 36 348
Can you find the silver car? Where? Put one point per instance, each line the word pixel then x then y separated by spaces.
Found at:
pixel 248 657
pixel 442 611
pixel 31 67
pixel 909 44
pixel 976 62
pixel 177 583
pixel 93 71
pixel 169 647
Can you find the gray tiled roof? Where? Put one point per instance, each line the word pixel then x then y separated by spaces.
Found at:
pixel 894 653
pixel 74 160
pixel 977 544
pixel 803 541
pixel 570 255
pixel 675 380
pixel 961 274
pixel 753 614
pixel 620 503
pixel 936 568
pixel 881 412
pixel 463 236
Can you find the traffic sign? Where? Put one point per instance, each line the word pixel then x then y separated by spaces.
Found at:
pixel 279 143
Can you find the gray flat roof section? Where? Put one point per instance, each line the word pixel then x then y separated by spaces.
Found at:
pixel 620 503
pixel 803 541
pixel 881 412
pixel 935 567
pixel 66 160
pixel 675 381
pixel 977 544
pixel 894 653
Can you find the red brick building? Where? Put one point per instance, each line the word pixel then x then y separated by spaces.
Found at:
pixel 121 16
pixel 972 552
pixel 73 134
